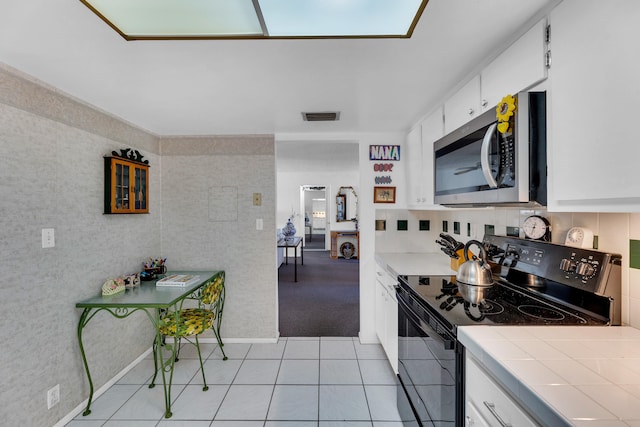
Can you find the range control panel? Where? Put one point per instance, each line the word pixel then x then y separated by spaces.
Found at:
pixel 580 268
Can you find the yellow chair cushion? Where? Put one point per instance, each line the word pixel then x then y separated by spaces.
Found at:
pixel 191 321
pixel 211 291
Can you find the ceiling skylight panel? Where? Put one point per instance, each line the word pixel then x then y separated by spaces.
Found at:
pixel 228 19
pixel 179 18
pixel 334 18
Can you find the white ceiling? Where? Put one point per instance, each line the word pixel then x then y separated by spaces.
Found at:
pixel 206 87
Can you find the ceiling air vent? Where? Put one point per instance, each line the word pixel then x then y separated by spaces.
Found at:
pixel 325 116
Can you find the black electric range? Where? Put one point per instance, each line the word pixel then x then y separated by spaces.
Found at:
pixel 536 283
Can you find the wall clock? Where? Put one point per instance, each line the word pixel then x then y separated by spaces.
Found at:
pixel 536 227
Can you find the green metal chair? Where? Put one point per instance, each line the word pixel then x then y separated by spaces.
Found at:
pixel 189 323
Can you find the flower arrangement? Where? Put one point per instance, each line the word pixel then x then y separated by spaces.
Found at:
pixel 504 113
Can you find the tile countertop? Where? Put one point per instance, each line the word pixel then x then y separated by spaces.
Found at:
pixel 416 263
pixel 565 375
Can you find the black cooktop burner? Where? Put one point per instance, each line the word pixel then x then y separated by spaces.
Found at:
pixel 488 307
pixel 544 313
pixel 504 303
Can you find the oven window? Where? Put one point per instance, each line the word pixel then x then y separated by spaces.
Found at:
pixel 427 371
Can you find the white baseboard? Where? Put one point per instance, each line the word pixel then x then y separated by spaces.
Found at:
pixel 97 393
pixel 368 338
pixel 241 340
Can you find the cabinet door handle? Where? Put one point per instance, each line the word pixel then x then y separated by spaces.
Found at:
pixel 492 408
pixel 471 111
pixel 484 102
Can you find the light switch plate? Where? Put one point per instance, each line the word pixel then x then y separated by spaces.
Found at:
pixel 257 199
pixel 48 238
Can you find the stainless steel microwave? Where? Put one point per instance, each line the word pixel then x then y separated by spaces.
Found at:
pixel 496 162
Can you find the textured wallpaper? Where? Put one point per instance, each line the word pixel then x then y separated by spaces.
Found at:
pixel 209 222
pixel 52 176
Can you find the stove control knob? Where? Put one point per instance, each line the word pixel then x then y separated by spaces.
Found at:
pixel 585 269
pixel 567 265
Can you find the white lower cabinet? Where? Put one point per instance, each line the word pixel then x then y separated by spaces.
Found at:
pixel 472 417
pixel 487 403
pixel 387 315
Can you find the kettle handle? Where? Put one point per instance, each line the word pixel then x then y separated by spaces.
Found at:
pixel 483 253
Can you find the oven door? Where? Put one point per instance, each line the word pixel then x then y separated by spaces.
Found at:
pixel 429 370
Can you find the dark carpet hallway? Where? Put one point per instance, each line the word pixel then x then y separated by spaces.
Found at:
pixel 314 242
pixel 325 301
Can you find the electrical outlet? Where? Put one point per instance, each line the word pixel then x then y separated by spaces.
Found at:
pixel 259 224
pixel 53 396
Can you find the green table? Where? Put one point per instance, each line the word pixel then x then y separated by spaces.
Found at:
pixel 152 300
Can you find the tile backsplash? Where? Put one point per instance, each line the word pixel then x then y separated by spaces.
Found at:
pixel 615 232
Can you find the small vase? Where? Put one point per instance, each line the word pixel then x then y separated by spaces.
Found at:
pixel 289 230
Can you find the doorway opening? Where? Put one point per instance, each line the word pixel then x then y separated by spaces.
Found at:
pixel 313 201
pixel 325 300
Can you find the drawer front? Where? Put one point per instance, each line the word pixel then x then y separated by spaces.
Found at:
pixel 492 402
pixel 472 417
pixel 384 277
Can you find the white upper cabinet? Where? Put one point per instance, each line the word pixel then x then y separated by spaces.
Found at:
pixel 432 130
pixel 419 152
pixel 519 67
pixel 593 147
pixel 413 154
pixel 463 106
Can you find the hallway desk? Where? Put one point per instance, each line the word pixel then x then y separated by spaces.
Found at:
pixel 293 242
pixel 153 301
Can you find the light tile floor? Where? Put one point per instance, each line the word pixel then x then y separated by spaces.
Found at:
pixel 296 382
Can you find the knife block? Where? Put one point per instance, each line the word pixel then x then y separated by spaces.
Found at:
pixel 457 262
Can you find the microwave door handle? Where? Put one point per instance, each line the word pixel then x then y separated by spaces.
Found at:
pixel 484 156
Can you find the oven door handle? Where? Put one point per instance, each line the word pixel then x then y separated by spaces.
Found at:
pixel 447 343
pixel 485 156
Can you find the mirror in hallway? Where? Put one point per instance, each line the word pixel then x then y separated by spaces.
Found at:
pixel 346 205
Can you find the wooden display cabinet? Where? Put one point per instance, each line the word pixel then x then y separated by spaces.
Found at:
pixel 126 188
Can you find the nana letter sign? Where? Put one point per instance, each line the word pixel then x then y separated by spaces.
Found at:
pixel 384 152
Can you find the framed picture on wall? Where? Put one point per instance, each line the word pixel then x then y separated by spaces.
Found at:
pixel 384 194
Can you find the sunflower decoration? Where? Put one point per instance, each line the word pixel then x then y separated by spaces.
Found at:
pixel 504 113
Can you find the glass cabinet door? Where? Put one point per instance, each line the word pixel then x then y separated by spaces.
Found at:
pixel 140 189
pixel 126 186
pixel 121 186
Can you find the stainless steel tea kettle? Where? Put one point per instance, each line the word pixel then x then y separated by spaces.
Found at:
pixel 474 276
